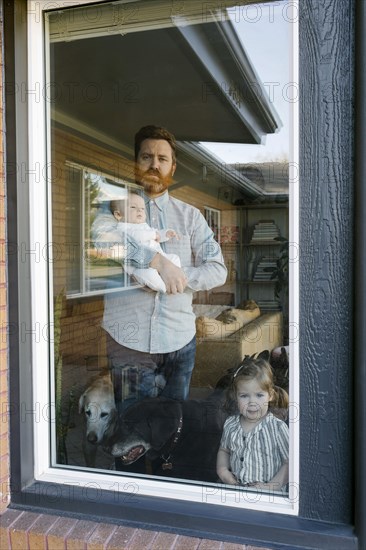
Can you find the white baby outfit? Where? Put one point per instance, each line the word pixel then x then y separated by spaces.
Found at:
pixel 145 234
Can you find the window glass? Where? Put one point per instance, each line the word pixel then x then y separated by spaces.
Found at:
pixel 213 219
pixel 89 195
pixel 218 78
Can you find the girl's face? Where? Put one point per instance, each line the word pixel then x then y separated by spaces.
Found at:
pixel 252 400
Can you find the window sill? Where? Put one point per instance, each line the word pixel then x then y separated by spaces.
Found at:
pixel 200 520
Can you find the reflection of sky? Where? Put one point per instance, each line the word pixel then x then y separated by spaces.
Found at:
pixel 109 191
pixel 265 34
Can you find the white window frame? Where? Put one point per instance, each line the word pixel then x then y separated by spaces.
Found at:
pixel 42 311
pixel 83 291
pixel 213 218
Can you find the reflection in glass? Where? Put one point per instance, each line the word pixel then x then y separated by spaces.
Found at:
pixel 219 81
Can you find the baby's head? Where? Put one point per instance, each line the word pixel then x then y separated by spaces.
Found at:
pixel 131 211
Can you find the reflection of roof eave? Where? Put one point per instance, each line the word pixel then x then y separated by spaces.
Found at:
pixel 244 185
pixel 232 75
pixel 224 171
pixel 250 75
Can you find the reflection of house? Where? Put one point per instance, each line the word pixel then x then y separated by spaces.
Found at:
pixel 271 177
pixel 194 79
pixel 202 87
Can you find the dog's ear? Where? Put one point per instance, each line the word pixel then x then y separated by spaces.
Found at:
pixel 164 423
pixel 81 403
pixel 265 354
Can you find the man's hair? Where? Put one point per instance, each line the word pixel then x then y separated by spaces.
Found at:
pixel 155 132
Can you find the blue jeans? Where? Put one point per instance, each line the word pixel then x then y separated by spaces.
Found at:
pixel 137 374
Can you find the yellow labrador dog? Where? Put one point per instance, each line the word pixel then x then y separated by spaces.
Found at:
pixel 98 405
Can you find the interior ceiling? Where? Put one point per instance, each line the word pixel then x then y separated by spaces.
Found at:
pixel 117 84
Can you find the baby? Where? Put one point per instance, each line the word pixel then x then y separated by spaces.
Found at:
pixel 134 224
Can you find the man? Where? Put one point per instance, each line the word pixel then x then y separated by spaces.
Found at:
pixel 151 335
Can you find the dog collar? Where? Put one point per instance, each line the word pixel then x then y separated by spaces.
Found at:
pixel 168 464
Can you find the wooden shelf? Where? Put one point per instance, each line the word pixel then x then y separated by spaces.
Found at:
pixel 250 252
pixel 264 243
pixel 251 282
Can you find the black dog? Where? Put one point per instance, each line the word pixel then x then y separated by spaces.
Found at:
pixel 180 439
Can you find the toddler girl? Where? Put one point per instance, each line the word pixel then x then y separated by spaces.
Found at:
pixel 254 445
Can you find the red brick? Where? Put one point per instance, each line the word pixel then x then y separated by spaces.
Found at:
pixel 5 491
pixel 166 541
pixel 3 353
pixel 4 464
pixel 3 379
pixel 9 517
pixel 234 546
pixel 19 530
pixel 4 445
pixel 100 536
pixel 4 470
pixel 79 535
pixel 4 420
pixel 59 532
pixel 187 542
pixel 37 535
pixel 6 520
pixel 141 539
pixel 210 545
pixel 120 538
pixel 3 320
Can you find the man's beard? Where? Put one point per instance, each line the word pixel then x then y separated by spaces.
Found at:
pixel 151 185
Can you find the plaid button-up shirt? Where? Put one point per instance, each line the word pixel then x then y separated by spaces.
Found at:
pixel 153 322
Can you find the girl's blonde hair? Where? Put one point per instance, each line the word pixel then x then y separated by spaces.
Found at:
pixel 260 370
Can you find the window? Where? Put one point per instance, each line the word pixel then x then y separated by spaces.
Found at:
pixel 213 219
pixel 91 119
pixel 88 195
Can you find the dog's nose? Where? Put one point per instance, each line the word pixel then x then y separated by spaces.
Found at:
pixel 92 437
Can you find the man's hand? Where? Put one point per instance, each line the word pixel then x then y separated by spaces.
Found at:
pixel 171 234
pixel 173 276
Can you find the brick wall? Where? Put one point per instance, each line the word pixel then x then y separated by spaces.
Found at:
pixel 81 318
pixel 69 147
pixel 26 530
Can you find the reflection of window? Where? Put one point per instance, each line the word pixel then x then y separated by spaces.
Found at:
pixel 88 195
pixel 214 221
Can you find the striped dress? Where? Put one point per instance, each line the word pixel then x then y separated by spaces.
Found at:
pixel 258 455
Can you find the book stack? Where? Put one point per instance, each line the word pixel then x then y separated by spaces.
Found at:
pixel 269 305
pixel 265 268
pixel 264 230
